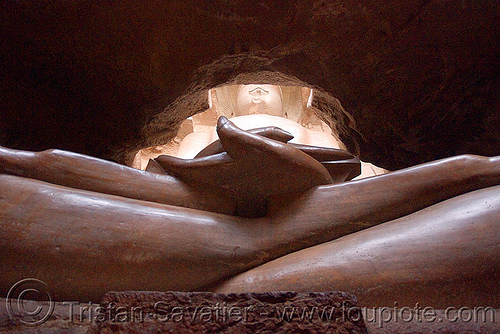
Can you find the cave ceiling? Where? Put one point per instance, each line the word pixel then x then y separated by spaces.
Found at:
pixel 421 78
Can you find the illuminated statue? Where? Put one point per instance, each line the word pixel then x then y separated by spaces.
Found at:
pixel 86 226
pixel 250 107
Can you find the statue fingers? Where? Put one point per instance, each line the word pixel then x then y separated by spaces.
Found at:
pixel 272 132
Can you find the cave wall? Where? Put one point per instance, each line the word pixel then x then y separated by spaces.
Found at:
pixel 421 77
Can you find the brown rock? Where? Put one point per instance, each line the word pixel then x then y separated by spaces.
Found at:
pixel 420 77
pixel 205 312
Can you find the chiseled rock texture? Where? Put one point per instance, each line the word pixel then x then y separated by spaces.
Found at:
pixel 205 312
pixel 419 76
pixel 87 318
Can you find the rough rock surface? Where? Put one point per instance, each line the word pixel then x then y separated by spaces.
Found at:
pixel 420 77
pixel 74 317
pixel 205 312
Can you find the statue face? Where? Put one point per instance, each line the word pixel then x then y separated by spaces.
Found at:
pixel 259 99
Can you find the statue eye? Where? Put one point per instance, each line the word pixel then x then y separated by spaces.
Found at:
pixel 258 92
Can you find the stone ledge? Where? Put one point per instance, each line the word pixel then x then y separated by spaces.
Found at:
pixel 205 312
pixel 74 317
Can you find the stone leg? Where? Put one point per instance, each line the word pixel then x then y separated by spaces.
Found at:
pixel 445 255
pixel 88 173
pixel 85 243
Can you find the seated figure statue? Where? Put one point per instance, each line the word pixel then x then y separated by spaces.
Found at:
pixel 85 226
pixel 248 107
